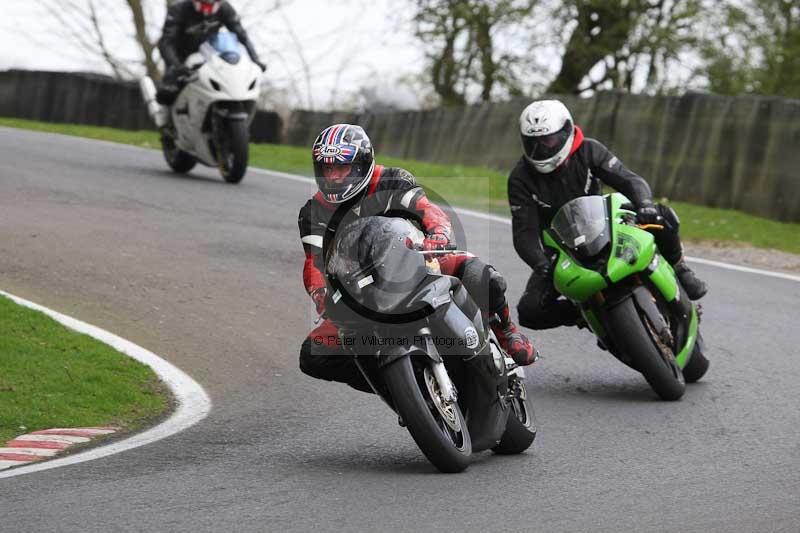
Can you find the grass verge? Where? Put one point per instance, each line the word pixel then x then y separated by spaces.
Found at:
pixel 51 376
pixel 473 187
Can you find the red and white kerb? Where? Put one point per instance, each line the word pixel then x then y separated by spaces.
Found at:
pixel 44 444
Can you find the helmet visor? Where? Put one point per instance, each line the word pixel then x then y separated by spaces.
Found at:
pixel 343 161
pixel 338 180
pixel 543 147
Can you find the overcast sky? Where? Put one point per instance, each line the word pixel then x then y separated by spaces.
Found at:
pixel 370 38
pixel 345 45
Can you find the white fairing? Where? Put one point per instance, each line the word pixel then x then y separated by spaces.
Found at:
pixel 541 118
pixel 216 81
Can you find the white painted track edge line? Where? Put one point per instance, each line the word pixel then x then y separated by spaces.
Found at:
pixel 740 268
pixel 193 403
pixel 507 221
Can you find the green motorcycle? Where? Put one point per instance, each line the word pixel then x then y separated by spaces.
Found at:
pixel 627 293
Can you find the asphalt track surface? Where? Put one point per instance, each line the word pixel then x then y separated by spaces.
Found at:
pixel 208 275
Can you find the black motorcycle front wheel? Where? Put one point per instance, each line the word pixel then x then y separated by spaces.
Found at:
pixel 636 337
pixel 439 431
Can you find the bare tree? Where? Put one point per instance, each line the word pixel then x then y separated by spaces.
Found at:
pixel 754 48
pixel 147 43
pixel 460 37
pixel 88 25
pixel 612 40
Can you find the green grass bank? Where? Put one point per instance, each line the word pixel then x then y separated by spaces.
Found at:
pixel 51 377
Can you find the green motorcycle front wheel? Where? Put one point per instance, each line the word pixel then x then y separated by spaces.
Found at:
pixel 637 338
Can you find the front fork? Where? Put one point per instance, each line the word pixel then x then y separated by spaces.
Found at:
pixel 446 387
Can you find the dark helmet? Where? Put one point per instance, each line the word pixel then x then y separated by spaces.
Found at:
pixel 207 7
pixel 343 145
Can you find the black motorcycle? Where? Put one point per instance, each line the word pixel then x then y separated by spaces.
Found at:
pixel 424 346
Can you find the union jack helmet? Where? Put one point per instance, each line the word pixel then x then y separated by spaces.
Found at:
pixel 345 145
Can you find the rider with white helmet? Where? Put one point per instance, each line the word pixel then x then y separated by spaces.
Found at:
pixel 559 164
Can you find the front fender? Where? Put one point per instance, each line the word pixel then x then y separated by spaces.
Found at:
pixel 390 354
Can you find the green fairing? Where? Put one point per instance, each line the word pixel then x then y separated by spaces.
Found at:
pixel 617 201
pixel 571 279
pixel 633 251
pixel 663 277
pixel 630 243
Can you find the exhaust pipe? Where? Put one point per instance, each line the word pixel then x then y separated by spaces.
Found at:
pixel 156 111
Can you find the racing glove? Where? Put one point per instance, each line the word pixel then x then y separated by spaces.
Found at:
pixel 318 295
pixel 647 213
pixel 436 240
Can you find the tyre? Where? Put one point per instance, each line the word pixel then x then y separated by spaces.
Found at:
pixel 521 425
pixel 698 364
pixel 636 337
pixel 178 160
pixel 444 439
pixel 234 150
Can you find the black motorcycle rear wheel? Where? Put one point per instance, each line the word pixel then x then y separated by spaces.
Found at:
pixel 178 160
pixel 636 337
pixel 698 363
pixel 447 449
pixel 521 425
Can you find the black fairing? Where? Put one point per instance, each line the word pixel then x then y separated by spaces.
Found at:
pixel 381 294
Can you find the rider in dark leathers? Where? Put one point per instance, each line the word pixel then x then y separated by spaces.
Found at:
pixel 189 23
pixel 558 165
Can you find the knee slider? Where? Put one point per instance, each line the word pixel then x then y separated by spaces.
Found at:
pixel 309 361
pixel 305 355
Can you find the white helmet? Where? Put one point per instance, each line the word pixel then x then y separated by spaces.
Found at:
pixel 547 133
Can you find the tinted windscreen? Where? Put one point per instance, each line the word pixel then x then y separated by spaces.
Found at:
pixel 582 226
pixel 373 265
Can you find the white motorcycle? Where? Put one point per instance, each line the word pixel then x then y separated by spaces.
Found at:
pixel 210 119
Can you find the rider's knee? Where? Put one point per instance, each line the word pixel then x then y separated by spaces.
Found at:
pixel 530 305
pixel 552 315
pixel 485 284
pixel 309 361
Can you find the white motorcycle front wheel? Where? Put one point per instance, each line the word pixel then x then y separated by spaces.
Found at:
pixel 233 150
